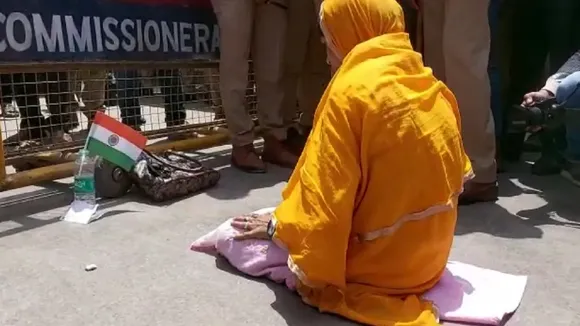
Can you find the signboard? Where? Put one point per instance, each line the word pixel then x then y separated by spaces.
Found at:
pixel 107 30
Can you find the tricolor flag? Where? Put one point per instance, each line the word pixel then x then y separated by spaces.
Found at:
pixel 115 142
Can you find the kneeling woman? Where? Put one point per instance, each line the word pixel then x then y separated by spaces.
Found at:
pixel 369 213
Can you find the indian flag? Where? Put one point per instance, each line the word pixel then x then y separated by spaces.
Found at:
pixel 115 142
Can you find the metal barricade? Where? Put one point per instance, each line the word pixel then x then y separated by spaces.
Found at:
pixel 175 104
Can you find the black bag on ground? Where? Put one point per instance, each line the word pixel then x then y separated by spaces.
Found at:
pixel 172 175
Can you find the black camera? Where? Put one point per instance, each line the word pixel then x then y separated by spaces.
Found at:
pixel 547 119
pixel 546 115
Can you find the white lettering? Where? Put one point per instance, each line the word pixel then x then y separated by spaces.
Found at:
pixel 111 40
pixel 54 39
pixel 152 30
pixel 3 45
pixel 41 33
pixel 129 43
pixel 11 35
pixel 98 34
pixel 170 37
pixel 82 40
pixel 139 36
pixel 201 37
pixel 184 37
pixel 215 40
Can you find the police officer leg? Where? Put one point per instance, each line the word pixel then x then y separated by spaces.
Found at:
pixel 466 48
pixel 236 20
pixel 268 52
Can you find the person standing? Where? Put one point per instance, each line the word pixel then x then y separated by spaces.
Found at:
pixel 537 39
pixel 129 91
pixel 260 26
pixel 128 94
pixel 456 40
pixel 7 109
pixel 173 96
pixel 89 86
pixel 306 73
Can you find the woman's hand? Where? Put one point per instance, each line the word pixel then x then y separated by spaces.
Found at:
pixel 254 226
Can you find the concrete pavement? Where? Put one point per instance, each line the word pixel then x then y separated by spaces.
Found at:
pixel 146 275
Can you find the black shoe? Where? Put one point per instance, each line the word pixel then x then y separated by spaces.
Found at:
pixel 548 164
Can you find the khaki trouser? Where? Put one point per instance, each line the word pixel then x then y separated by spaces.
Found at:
pixel 261 27
pixel 306 73
pixel 456 47
pixel 91 91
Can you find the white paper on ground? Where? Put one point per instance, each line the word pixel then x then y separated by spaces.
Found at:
pixel 81 212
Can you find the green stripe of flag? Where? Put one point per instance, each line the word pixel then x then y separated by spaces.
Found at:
pixel 110 154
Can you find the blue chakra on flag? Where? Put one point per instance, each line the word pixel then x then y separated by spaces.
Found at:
pixel 113 140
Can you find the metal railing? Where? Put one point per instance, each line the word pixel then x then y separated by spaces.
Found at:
pixel 47 110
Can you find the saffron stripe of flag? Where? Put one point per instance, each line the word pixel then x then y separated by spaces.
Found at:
pixel 115 142
pixel 122 130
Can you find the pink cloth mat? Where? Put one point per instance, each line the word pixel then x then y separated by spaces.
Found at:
pixel 465 293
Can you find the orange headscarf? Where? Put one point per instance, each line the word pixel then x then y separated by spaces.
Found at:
pixel 347 23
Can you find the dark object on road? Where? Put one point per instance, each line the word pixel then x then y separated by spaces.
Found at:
pixel 111 181
pixel 172 175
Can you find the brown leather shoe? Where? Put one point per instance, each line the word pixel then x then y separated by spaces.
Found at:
pixel 246 159
pixel 275 152
pixel 478 193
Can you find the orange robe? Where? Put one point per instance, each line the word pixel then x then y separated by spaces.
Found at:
pixel 369 213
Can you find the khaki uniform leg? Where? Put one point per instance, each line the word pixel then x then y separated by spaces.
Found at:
pixel 236 19
pixel 297 35
pixel 457 44
pixel 268 49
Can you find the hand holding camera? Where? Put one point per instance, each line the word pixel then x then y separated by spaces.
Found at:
pixel 536 97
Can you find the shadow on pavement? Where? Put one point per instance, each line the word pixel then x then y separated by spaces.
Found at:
pixel 495 220
pixel 562 201
pixel 560 207
pixel 288 304
pixel 235 184
pixel 26 209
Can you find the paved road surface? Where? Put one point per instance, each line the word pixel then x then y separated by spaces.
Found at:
pixel 146 275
